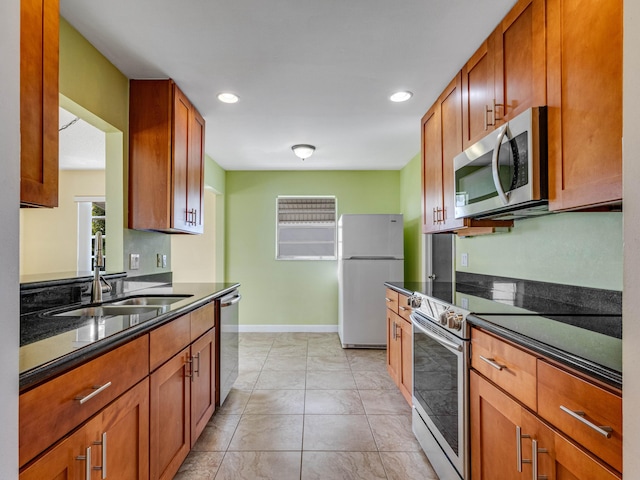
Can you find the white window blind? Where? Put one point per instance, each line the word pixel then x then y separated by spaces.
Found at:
pixel 306 228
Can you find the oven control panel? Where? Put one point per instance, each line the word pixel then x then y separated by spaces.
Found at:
pixel 450 317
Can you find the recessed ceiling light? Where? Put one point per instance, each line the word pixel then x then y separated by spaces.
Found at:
pixel 228 97
pixel 401 96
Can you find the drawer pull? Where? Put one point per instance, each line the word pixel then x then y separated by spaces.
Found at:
pixel 87 460
pixel 404 309
pixel 96 390
pixel 603 430
pixel 388 299
pixel 492 362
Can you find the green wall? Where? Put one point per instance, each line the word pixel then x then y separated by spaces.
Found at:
pixel 411 207
pixel 583 249
pixel 89 81
pixel 292 292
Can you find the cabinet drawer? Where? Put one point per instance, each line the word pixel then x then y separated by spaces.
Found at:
pixel 391 297
pixel 169 339
pixel 56 407
pixel 404 309
pixel 510 368
pixel 202 319
pixel 560 393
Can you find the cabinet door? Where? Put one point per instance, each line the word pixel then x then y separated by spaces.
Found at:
pixel 478 95
pixel 394 351
pixel 495 421
pixel 451 118
pixel 584 81
pixel 39 39
pixel 170 423
pixel 431 170
pixel 520 62
pixel 406 361
pixel 195 174
pixel 181 147
pixel 66 461
pixel 203 383
pixel 120 436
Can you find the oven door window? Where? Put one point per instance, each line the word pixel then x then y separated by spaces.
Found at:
pixel 435 385
pixel 474 181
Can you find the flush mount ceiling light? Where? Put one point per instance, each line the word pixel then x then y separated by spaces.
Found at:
pixel 401 96
pixel 303 150
pixel 228 97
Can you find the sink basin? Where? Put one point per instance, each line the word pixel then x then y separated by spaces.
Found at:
pixel 108 310
pixel 151 300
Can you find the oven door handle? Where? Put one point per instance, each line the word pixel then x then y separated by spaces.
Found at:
pixel 438 338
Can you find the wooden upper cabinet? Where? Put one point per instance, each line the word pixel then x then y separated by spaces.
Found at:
pixel 477 95
pixel 39 40
pixel 166 159
pixel 507 73
pixel 431 170
pixel 584 81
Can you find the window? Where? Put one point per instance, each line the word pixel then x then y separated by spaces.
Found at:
pixel 306 228
pixel 91 219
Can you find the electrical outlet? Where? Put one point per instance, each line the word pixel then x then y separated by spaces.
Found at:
pixel 164 261
pixel 134 261
pixel 464 258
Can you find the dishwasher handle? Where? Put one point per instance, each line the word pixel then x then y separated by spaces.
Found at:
pixel 233 301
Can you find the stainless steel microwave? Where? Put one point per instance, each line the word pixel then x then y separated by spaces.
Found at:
pixel 504 175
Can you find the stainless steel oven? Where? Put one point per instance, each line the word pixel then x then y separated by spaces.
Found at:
pixel 440 386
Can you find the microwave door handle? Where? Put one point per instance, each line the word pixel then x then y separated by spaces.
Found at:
pixel 495 167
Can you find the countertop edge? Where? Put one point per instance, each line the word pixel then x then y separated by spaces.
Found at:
pixel 399 289
pixel 38 375
pixel 606 375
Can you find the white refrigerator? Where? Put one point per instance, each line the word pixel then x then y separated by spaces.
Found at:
pixel 370 252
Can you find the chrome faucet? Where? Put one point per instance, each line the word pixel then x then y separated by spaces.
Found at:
pixel 96 285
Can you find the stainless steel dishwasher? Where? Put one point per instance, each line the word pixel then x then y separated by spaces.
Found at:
pixel 229 356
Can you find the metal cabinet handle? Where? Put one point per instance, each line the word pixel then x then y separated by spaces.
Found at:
pixel 404 309
pixel 96 390
pixel 486 115
pixel 196 370
pixel 492 362
pixel 188 368
pixel 396 330
pixel 519 437
pixel 103 467
pixel 534 455
pixel 603 430
pixel 87 459
pixel 387 299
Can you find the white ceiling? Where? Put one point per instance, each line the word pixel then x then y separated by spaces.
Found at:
pixel 306 71
pixel 81 145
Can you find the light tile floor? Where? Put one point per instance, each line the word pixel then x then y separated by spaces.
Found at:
pixel 304 408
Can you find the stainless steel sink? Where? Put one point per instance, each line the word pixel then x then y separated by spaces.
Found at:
pixel 151 300
pixel 108 310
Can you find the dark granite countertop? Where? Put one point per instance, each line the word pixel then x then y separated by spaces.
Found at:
pixel 51 345
pixel 578 326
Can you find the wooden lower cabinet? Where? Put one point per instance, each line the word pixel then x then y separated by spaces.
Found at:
pixel 399 356
pixel 182 401
pixel 203 385
pixel 113 444
pixel 170 421
pixel 508 442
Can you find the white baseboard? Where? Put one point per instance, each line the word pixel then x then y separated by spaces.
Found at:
pixel 288 328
